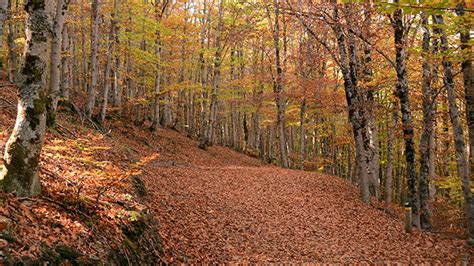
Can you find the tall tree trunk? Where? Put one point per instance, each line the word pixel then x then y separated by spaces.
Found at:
pixel 12 47
pixel 371 144
pixel 302 133
pixel 55 69
pixel 85 67
pixel 66 82
pixel 401 35
pixel 390 152
pixel 459 143
pixel 468 79
pixel 279 89
pixel 159 10
pixel 355 115
pixel 203 79
pixel 271 141
pixel 94 59
pixel 217 75
pixel 425 147
pixel 118 94
pixel 20 172
pixel 3 16
pixel 108 64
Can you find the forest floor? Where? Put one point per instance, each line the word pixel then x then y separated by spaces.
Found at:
pixel 208 206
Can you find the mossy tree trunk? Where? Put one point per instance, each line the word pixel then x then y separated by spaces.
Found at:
pixel 401 31
pixel 20 172
pixel 347 56
pixel 425 147
pixel 458 131
pixel 468 81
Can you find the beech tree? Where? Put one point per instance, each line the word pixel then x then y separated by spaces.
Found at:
pixel 278 87
pixel 401 25
pixel 4 5
pixel 20 171
pixel 92 89
pixel 458 131
pixel 425 146
pixel 56 60
pixel 468 82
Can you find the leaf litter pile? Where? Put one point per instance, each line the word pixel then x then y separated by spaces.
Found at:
pixel 211 206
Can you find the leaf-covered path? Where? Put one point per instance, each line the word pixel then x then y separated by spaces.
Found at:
pixel 213 206
pixel 220 206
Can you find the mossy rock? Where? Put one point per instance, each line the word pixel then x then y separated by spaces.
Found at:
pixel 8 237
pixel 141 244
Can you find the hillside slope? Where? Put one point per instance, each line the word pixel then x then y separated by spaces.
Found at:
pixel 107 194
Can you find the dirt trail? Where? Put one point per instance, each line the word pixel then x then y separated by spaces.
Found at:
pixel 221 206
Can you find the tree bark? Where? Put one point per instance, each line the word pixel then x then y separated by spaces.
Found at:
pixel 425 147
pixel 83 47
pixel 279 89
pixel 217 75
pixel 390 153
pixel 402 91
pixel 55 70
pixel 66 81
pixel 468 81
pixel 108 64
pixel 459 143
pixel 203 80
pixel 371 144
pixel 302 133
pixel 20 172
pixel 355 115
pixel 12 47
pixel 3 16
pixel 94 59
pixel 159 10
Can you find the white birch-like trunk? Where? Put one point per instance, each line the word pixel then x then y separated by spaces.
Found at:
pixel 94 59
pixel 20 172
pixel 55 68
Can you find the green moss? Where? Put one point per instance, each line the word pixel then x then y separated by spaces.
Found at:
pixel 32 117
pixel 18 158
pixel 31 69
pixel 35 4
pixel 40 104
pixel 21 177
pixel 8 237
pixel 33 114
pixel 129 244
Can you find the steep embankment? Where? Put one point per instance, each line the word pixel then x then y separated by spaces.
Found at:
pixel 107 194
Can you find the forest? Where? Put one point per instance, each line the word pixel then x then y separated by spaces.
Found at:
pixel 219 131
